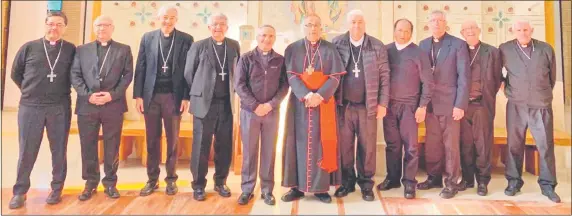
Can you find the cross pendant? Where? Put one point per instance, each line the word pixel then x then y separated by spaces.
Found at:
pixel 222 74
pixel 51 76
pixel 165 68
pixel 310 69
pixel 356 71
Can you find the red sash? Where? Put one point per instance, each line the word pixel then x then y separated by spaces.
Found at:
pixel 328 126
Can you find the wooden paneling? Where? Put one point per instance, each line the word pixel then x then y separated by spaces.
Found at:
pixel 73 12
pixel 5 32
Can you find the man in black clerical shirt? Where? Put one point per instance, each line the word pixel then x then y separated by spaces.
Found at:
pixel 162 94
pixel 41 70
pixel 101 72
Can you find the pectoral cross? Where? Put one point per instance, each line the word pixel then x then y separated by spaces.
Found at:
pixel 51 76
pixel 165 67
pixel 356 71
pixel 222 74
pixel 310 69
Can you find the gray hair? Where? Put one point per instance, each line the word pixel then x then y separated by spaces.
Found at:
pixel 440 12
pixel 217 15
pixel 355 12
pixel 163 10
pixel 103 17
pixel 516 22
pixel 259 30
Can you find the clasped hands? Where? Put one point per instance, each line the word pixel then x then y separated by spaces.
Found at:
pixel 100 98
pixel 263 109
pixel 313 99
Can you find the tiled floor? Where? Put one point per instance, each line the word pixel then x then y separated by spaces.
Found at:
pixel 132 176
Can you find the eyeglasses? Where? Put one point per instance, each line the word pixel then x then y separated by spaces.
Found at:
pixel 470 28
pixel 59 25
pixel 103 25
pixel 310 25
pixel 218 24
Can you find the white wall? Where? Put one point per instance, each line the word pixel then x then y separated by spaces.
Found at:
pixel 26 24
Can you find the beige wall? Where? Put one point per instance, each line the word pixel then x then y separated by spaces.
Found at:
pixel 26 24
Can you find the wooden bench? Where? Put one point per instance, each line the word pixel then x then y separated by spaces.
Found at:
pixel 133 132
pixel 500 149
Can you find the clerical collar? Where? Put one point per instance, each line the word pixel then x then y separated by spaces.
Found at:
pixel 170 35
pixel 529 44
pixel 402 46
pixel 217 42
pixel 106 43
pixel 437 40
pixel 53 43
pixel 262 53
pixel 475 47
pixel 358 42
pixel 314 44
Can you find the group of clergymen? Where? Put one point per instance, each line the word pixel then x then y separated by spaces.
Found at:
pixel 339 91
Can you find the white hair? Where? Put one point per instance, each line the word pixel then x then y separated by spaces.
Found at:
pixel 103 17
pixel 355 12
pixel 163 10
pixel 440 12
pixel 259 30
pixel 516 22
pixel 217 15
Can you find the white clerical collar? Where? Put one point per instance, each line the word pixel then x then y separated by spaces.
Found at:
pixel 358 42
pixel 402 46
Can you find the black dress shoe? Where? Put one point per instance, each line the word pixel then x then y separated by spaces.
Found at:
pixel 409 192
pixel 324 197
pixel 551 194
pixel 111 192
pixel 511 190
pixel 367 195
pixel 222 190
pixel 293 194
pixel 199 194
pixel 431 182
pixel 343 191
pixel 87 193
pixel 482 190
pixel 464 185
pixel 268 198
pixel 17 201
pixel 244 198
pixel 172 188
pixel 54 197
pixel 388 184
pixel 448 192
pixel 149 188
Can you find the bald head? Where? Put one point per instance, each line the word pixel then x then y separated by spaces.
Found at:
pixel 522 30
pixel 471 32
pixel 103 28
pixel 313 27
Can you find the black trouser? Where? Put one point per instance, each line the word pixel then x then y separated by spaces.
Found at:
pixel 400 132
pixel 217 122
pixel 442 155
pixel 162 107
pixel 31 122
pixel 89 125
pixel 540 122
pixel 476 142
pixel 354 123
